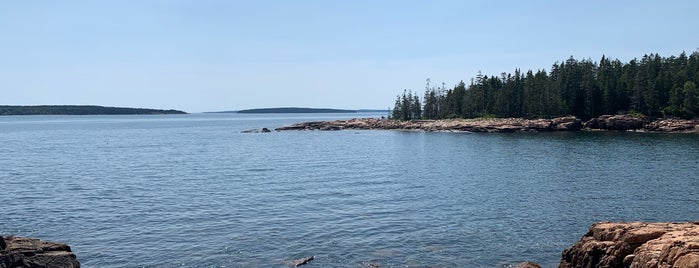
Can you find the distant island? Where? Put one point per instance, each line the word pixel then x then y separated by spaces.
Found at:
pixel 373 111
pixel 78 110
pixel 291 110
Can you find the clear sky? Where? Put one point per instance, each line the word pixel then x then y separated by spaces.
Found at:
pixel 208 55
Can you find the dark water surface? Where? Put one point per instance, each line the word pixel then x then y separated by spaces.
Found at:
pixel 192 191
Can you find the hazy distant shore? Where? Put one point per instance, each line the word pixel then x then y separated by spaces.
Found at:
pixel 79 110
pixel 290 110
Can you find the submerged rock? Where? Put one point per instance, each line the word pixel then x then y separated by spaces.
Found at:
pixel 527 264
pixel 636 245
pixel 263 130
pixel 31 252
pixel 299 262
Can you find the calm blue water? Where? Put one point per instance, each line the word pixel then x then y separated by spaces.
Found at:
pixel 192 191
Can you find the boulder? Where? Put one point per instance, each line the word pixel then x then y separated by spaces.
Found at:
pixel 636 245
pixel 35 253
pixel 622 122
pixel 299 262
pixel 673 125
pixel 592 124
pixel 539 125
pixel 566 123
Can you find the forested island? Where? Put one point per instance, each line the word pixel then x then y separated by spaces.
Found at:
pixel 79 110
pixel 293 110
pixel 653 86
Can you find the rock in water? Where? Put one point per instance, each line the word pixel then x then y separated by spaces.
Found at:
pixel 263 130
pixel 527 264
pixel 636 245
pixel 299 262
pixel 31 252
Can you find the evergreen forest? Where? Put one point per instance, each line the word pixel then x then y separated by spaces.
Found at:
pixel 654 86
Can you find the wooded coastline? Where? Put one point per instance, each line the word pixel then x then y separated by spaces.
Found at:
pixel 653 86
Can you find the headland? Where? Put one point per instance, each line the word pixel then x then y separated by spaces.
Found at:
pixel 509 125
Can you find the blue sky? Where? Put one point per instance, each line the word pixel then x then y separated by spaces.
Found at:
pixel 209 55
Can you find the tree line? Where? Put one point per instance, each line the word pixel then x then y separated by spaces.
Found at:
pixel 654 86
pixel 78 110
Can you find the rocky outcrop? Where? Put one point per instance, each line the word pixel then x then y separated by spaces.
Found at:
pixel 636 245
pixel 621 122
pixel 34 253
pixel 498 125
pixel 625 122
pixel 674 125
pixel 507 125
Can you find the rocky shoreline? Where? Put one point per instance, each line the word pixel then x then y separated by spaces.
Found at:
pixel 35 253
pixel 636 245
pixel 508 125
pixel 606 244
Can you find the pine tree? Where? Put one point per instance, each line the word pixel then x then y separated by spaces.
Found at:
pixel 430 106
pixel 691 100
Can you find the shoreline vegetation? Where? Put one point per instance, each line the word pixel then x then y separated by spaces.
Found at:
pixel 80 110
pixel 636 123
pixel 654 94
pixel 653 86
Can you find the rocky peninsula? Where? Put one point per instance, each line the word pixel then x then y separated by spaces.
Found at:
pixel 35 253
pixel 508 125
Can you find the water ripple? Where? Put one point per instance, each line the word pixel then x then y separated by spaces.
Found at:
pixel 193 192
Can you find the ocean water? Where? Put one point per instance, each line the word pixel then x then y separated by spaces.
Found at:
pixel 193 191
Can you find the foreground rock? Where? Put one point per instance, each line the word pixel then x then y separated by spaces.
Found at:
pixel 636 245
pixel 499 125
pixel 34 253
